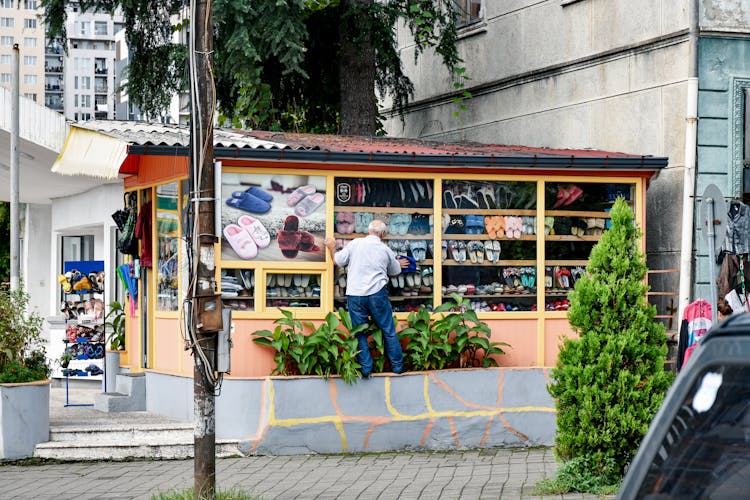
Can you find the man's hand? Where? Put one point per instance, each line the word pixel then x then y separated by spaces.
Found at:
pixel 404 262
pixel 330 243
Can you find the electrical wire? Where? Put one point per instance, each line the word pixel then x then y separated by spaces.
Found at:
pixel 199 149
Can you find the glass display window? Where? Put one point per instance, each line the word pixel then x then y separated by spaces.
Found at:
pixel 488 249
pixel 293 290
pixel 167 247
pixel 267 217
pixel 575 217
pixel 238 289
pixel 406 206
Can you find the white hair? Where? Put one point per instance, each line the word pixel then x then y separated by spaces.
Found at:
pixel 377 227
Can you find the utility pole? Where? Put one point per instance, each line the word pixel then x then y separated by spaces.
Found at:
pixel 202 289
pixel 15 225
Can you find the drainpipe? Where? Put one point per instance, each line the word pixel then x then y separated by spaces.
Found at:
pixel 15 225
pixel 691 132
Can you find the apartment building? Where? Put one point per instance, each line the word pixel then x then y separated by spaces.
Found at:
pixel 86 81
pixel 21 23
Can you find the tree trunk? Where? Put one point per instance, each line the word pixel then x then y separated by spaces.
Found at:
pixel 357 70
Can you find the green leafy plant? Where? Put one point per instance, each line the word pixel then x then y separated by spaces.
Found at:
pixel 610 380
pixel 65 358
pixel 287 340
pixel 115 322
pixel 582 474
pixel 23 357
pixel 426 348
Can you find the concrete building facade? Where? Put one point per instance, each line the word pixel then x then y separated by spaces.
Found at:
pixel 20 24
pixel 604 74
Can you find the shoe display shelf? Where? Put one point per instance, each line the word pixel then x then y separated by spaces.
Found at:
pixel 84 336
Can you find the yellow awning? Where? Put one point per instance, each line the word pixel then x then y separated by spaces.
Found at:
pixel 90 153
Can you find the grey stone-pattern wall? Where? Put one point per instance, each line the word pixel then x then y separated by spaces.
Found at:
pixel 438 410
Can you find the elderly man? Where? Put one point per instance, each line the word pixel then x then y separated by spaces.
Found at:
pixel 370 263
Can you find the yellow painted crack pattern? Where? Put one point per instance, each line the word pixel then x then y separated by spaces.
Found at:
pixel 395 415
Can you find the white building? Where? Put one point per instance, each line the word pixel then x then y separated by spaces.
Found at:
pixel 20 24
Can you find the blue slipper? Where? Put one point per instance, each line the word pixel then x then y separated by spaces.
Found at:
pixel 249 203
pixel 255 191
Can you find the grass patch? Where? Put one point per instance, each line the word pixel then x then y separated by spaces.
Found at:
pixel 189 494
pixel 579 475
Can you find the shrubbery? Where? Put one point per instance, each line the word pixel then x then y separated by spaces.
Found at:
pixel 453 338
pixel 610 381
pixel 22 354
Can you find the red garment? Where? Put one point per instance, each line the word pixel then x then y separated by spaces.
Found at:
pixel 143 231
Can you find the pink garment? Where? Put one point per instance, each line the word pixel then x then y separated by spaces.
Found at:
pixel 699 317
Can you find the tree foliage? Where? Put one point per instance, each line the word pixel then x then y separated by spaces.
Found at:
pixel 276 60
pixel 610 381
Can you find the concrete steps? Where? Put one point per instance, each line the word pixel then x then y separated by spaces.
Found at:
pixel 117 442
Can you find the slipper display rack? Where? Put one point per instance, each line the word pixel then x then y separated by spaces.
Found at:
pixel 488 237
pixel 84 339
pixel 406 208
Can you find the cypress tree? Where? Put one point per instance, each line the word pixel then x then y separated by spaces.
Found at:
pixel 610 380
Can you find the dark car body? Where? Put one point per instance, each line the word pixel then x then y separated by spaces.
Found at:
pixel 698 444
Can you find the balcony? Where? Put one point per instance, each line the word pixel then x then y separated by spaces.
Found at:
pixel 101 71
pixel 53 69
pixel 53 49
pixel 54 87
pixel 56 104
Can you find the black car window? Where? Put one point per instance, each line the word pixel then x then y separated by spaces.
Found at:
pixel 706 451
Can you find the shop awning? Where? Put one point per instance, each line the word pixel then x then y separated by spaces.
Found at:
pixel 90 153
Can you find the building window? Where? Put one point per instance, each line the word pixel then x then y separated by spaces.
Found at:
pixel 29 23
pixel 30 4
pixel 85 82
pixel 85 101
pixel 6 22
pixel 6 40
pixel 29 79
pixel 29 42
pixel 100 27
pixel 6 4
pixel 4 77
pixel 468 12
pixel 30 95
pixel 29 60
pixel 5 59
pixel 84 28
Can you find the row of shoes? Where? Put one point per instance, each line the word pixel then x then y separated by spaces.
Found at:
pixel 287 280
pixel 476 251
pixel 417 279
pixel 292 291
pixel 238 305
pixel 80 334
pixel 74 281
pixel 419 250
pixel 384 192
pixel 489 195
pixel 577 226
pixel 561 277
pixel 557 305
pixel 293 303
pixel 86 351
pixel 484 306
pixel 411 306
pixel 92 369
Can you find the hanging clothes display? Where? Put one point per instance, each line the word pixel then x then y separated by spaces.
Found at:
pixel 143 232
pixel 737 240
pixel 696 321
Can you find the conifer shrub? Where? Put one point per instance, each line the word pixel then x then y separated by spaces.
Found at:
pixel 610 380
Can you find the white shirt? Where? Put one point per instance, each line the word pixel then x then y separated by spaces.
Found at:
pixel 370 262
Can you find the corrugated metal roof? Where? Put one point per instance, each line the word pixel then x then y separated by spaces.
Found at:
pixel 161 134
pixel 157 134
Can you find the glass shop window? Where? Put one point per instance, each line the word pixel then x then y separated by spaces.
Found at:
pixel 167 247
pixel 293 290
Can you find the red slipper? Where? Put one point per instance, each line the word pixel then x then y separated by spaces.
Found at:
pixel 307 242
pixel 289 237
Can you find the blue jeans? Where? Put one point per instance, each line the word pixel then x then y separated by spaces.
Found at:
pixel 378 306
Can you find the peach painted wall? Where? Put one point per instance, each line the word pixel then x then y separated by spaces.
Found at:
pixel 167 345
pixel 554 331
pixel 522 337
